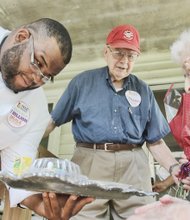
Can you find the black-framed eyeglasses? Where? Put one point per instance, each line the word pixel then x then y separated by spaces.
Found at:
pixel 34 66
pixel 117 54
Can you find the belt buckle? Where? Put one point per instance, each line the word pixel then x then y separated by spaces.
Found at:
pixel 106 146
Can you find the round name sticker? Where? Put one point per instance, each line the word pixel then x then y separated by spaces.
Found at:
pixel 133 98
pixel 19 115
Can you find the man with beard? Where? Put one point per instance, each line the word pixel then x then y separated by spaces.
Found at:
pixel 30 56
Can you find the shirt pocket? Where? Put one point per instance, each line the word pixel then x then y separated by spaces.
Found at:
pixel 135 123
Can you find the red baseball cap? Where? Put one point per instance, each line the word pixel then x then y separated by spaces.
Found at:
pixel 124 36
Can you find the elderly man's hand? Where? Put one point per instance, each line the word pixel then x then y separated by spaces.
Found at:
pixel 56 206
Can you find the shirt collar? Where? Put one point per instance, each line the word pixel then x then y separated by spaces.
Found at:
pixel 126 80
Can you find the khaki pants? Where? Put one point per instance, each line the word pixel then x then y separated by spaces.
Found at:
pixel 130 167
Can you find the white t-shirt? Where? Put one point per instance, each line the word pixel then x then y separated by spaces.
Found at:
pixel 23 119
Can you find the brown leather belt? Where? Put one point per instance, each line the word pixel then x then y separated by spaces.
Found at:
pixel 108 146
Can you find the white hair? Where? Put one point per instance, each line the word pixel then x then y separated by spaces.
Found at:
pixel 180 49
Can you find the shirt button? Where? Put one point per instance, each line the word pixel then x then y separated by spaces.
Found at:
pixel 115 128
pixel 115 110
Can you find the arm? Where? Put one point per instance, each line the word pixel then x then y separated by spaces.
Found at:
pixel 51 126
pixel 163 156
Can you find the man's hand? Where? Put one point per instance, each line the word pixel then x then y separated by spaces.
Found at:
pixel 56 206
pixel 161 186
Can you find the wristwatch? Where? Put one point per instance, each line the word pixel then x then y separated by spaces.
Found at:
pixel 172 167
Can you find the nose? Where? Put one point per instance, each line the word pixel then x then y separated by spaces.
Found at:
pixel 125 58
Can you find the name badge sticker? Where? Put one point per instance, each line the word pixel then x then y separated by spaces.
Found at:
pixel 133 98
pixel 19 115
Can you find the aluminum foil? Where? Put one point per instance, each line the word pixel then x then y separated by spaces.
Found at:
pixel 63 176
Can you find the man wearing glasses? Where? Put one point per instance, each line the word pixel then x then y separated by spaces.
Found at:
pixel 113 114
pixel 30 56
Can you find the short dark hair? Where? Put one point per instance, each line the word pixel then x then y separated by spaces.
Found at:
pixel 53 28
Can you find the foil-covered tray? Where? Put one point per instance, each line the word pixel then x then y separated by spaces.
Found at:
pixel 63 176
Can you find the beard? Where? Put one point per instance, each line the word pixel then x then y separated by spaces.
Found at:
pixel 10 67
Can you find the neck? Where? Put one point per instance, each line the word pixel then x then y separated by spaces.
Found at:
pixel 117 84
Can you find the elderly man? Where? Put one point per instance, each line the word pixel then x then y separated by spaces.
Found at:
pixel 113 114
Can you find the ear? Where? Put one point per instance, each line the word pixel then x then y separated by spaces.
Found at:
pixel 21 35
pixel 105 50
